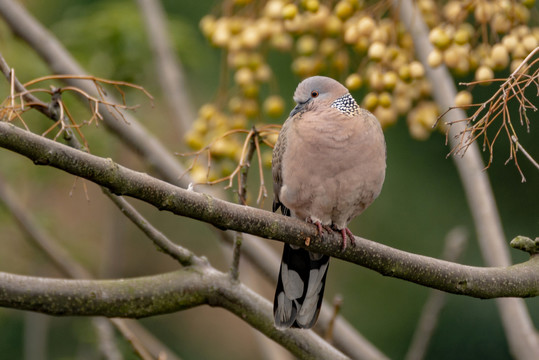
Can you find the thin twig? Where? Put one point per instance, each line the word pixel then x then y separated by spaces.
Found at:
pixel 245 164
pixel 521 148
pixel 337 304
pixel 181 254
pixel 477 124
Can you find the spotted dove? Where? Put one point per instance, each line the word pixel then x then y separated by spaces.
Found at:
pixel 328 166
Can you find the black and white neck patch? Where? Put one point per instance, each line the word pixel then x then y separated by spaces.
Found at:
pixel 347 105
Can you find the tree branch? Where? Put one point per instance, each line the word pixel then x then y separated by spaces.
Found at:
pixel 153 295
pixel 521 280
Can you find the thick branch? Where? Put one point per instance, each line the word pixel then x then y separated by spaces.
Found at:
pixel 521 280
pixel 154 295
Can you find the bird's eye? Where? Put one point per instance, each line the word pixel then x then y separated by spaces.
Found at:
pixel 314 93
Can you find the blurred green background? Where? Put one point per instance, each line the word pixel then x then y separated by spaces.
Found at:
pixel 421 202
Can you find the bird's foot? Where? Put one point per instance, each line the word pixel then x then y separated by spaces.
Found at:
pixel 320 227
pixel 347 233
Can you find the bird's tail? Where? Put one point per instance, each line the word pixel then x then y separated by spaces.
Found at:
pixel 300 288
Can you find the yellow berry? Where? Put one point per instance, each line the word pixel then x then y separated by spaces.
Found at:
pixel 351 35
pixel 194 140
pixel 274 106
pixel 267 158
pixel 529 42
pixel 519 52
pixel 510 42
pixel 244 76
pixel 500 23
pixel 289 11
pixel 221 35
pixel 250 37
pixel 353 81
pixel 343 9
pixel 238 121
pixel 263 73
pixel 483 11
pixel 250 90
pixel 439 38
pixel 272 138
pixel 365 25
pixel 435 58
pixel 483 74
pixel 200 126
pixel 274 9
pixel 306 45
pixel 515 64
pixel 385 99
pixel 282 41
pixel 385 115
pixel 370 101
pixel 402 104
pixel 418 131
pixel 199 174
pixel 362 44
pixel 463 66
pixel 499 56
pixel 376 80
pixel 416 70
pixel 376 51
pixel 390 80
pixel 405 73
pixel 406 41
pixel 311 5
pixel 454 12
pixel 333 25
pixel 462 36
pixel 463 98
pixel 328 46
pixel 522 13
pixel 207 111
pixel 223 147
pixel 250 107
pixel 208 25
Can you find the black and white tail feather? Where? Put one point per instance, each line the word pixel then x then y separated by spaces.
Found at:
pixel 300 287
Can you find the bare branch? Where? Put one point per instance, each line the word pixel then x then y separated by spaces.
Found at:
pixel 152 295
pixel 518 280
pixel 496 106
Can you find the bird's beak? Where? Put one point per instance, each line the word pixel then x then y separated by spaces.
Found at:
pixel 298 108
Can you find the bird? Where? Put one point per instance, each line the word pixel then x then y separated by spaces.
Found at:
pixel 328 166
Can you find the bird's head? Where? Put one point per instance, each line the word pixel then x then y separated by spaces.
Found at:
pixel 315 91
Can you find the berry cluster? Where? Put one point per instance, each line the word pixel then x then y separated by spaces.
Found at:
pixel 362 44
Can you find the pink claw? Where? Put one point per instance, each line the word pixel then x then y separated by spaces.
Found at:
pixel 319 226
pixel 347 233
